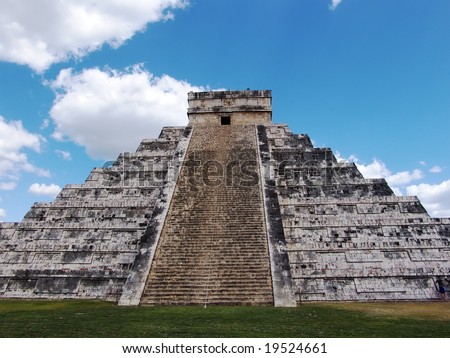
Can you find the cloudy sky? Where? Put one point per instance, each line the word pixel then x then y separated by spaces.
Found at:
pixel 83 80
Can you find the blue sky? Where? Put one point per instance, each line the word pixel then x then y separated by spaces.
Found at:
pixel 81 81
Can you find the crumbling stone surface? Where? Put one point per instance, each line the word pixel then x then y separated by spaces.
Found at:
pixel 229 210
pixel 86 243
pixel 239 107
pixel 350 238
pixel 213 248
pixel 280 268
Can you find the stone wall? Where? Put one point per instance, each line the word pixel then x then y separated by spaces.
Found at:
pixel 235 118
pixel 242 107
pixel 350 238
pixel 307 228
pixel 86 242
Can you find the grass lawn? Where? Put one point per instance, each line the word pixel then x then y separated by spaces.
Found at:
pixel 103 319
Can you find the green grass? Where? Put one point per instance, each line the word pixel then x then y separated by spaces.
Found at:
pixel 103 319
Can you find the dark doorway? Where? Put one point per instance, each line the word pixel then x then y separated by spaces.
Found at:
pixel 225 120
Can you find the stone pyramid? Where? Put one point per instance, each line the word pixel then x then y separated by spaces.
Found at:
pixel 230 210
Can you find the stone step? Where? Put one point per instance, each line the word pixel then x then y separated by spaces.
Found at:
pixel 200 302
pixel 203 291
pixel 218 245
pixel 205 274
pixel 214 237
pixel 202 297
pixel 219 255
pixel 202 294
pixel 203 263
pixel 211 281
pixel 194 289
pixel 235 265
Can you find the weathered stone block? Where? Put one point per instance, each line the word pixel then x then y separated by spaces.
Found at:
pixel 265 218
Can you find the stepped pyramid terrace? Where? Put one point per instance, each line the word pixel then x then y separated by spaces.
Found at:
pixel 229 210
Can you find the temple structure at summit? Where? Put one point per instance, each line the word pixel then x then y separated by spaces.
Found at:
pixel 229 210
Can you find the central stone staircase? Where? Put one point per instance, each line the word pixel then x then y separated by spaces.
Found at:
pixel 213 247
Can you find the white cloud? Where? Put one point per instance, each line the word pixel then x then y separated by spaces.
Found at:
pixel 435 169
pixel 14 139
pixel 43 189
pixel 397 191
pixel 376 169
pixel 41 33
pixel 334 4
pixel 340 158
pixel 2 213
pixel 436 198
pixel 11 185
pixel 63 154
pixel 110 111
pixel 45 123
pixel 403 178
